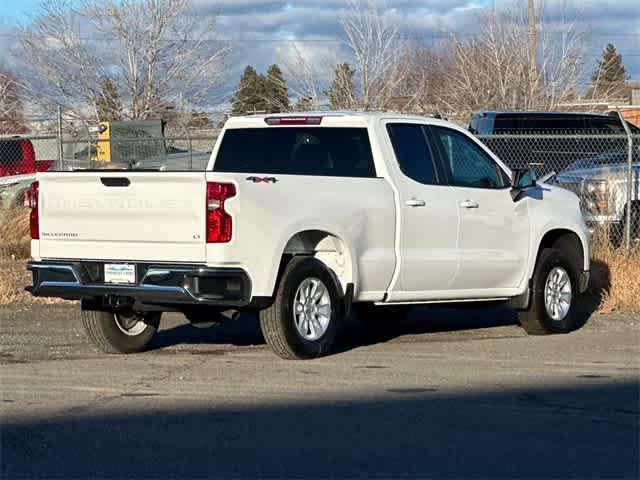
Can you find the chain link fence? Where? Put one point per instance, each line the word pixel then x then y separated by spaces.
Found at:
pixel 603 170
pixel 169 153
pixel 22 156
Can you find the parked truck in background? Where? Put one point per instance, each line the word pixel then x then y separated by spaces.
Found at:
pixel 301 217
pixel 601 184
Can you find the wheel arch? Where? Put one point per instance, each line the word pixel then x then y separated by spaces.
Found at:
pixel 564 239
pixel 569 242
pixel 327 247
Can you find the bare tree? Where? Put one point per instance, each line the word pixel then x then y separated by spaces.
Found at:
pixel 306 71
pixel 11 113
pixel 421 89
pixel 376 48
pixel 492 70
pixel 156 52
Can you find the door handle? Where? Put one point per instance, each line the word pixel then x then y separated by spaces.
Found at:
pixel 115 181
pixel 415 202
pixel 469 204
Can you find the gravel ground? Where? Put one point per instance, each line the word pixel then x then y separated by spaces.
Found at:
pixel 452 393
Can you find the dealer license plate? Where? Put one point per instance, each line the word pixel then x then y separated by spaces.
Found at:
pixel 119 273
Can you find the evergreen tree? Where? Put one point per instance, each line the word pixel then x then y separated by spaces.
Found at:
pixel 275 90
pixel 249 95
pixel 341 95
pixel 108 106
pixel 304 104
pixel 199 119
pixel 610 68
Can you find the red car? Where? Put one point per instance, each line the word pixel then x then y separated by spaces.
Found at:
pixel 17 157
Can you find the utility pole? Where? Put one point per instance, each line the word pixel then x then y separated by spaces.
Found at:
pixel 533 50
pixel 60 165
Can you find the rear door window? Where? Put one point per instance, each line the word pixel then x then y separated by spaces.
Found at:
pixel 322 151
pixel 412 152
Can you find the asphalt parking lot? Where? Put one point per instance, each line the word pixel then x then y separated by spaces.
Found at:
pixel 448 394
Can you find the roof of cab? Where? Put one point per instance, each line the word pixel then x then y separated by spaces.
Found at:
pixel 330 118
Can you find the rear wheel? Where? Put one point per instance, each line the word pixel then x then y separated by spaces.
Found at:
pixel 123 331
pixel 304 318
pixel 553 296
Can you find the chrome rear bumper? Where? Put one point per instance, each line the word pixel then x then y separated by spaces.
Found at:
pixel 156 284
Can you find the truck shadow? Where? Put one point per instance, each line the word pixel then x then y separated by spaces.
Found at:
pixel 245 331
pixel 588 430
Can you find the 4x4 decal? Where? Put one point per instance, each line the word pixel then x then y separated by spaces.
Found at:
pixel 262 179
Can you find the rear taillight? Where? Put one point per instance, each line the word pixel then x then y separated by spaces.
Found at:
pixel 219 222
pixel 32 203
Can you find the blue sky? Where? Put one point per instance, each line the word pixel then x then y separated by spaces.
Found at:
pixel 15 11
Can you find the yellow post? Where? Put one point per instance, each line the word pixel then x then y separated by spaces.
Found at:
pixel 103 145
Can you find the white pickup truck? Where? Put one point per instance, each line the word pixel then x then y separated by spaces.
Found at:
pixel 298 217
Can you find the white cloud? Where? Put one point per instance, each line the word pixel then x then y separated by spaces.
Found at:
pixel 261 31
pixel 243 20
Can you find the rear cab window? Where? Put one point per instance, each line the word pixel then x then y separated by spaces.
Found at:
pixel 319 151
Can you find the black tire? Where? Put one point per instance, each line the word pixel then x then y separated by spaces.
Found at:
pixel 106 330
pixel 277 321
pixel 536 320
pixel 381 321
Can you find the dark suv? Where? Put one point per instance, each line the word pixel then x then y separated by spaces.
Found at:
pixel 493 123
pixel 549 140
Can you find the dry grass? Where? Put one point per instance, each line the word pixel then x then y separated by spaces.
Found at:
pixel 615 276
pixel 14 250
pixel 14 233
pixel 13 278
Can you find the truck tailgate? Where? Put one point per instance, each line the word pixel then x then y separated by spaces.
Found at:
pixel 146 216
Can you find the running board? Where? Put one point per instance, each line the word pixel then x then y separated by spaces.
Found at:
pixel 451 300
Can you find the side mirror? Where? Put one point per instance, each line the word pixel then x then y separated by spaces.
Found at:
pixel 522 179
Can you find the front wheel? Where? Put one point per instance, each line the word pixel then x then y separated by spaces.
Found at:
pixel 120 332
pixel 553 296
pixel 304 318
